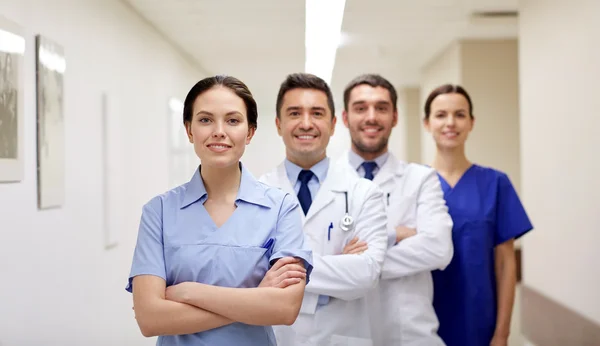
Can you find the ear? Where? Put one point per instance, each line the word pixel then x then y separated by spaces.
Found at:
pixel 333 122
pixel 345 117
pixel 395 118
pixel 188 131
pixel 278 125
pixel 251 132
pixel 426 124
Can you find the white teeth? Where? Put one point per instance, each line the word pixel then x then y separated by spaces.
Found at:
pixel 219 146
pixel 306 137
pixel 371 130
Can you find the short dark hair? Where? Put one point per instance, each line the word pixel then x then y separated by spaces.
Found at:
pixel 373 80
pixel 304 81
pixel 233 84
pixel 447 89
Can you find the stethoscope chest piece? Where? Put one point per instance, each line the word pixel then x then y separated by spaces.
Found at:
pixel 347 223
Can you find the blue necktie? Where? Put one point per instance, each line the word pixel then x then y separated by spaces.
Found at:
pixel 304 193
pixel 305 201
pixel 369 167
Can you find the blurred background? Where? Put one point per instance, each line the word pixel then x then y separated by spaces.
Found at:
pixel 68 230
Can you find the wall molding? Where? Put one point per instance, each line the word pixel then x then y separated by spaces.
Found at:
pixel 546 322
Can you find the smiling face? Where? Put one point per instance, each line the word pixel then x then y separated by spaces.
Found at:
pixel 449 121
pixel 370 118
pixel 305 124
pixel 219 127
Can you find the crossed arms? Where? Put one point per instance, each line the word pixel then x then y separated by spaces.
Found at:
pixel 191 307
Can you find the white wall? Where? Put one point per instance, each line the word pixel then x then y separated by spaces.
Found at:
pixel 559 140
pixel 398 139
pixel 414 123
pixel 445 68
pixel 266 149
pixel 489 72
pixel 59 286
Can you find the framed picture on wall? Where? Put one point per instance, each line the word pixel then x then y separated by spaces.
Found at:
pixel 12 50
pixel 50 68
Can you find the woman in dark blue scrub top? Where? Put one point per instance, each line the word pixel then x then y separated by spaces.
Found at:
pixel 474 295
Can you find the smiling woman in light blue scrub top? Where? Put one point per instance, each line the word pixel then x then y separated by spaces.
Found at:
pixel 221 258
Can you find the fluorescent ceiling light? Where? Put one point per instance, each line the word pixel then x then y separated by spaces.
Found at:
pixel 323 36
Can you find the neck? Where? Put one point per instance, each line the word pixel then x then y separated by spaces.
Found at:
pixel 221 183
pixel 306 162
pixel 450 160
pixel 369 156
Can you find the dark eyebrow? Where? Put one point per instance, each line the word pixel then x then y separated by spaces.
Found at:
pixel 378 102
pixel 359 102
pixel 234 113
pixel 293 108
pixel 204 112
pixel 228 114
pixel 298 108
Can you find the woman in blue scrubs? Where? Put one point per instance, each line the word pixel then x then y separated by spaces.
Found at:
pixel 474 295
pixel 221 258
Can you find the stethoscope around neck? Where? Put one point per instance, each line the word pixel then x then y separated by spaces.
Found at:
pixel 347 222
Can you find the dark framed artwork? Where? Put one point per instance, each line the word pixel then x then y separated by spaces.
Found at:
pixel 50 69
pixel 12 51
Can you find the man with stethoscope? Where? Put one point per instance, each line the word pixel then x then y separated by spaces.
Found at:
pixel 420 228
pixel 337 207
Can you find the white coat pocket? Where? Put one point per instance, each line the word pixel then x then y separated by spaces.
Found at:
pixel 219 265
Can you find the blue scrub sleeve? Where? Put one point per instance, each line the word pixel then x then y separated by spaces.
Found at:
pixel 148 257
pixel 511 218
pixel 289 235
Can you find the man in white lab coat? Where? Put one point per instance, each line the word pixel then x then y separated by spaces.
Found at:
pixel 420 228
pixel 337 206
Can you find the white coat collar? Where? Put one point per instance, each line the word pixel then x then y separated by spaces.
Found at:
pixel 335 182
pixel 391 168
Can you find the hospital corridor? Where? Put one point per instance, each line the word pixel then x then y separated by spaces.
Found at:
pixel 299 173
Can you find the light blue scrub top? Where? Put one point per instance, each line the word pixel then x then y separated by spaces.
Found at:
pixel 179 242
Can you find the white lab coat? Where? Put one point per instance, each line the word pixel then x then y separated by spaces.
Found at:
pixel 346 279
pixel 401 307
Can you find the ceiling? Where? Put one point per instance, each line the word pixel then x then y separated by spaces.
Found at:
pixel 261 41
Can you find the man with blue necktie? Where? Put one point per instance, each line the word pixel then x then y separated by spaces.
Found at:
pixel 420 228
pixel 338 208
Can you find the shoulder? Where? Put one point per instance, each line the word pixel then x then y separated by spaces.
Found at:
pixel 276 196
pixel 419 171
pixel 417 177
pixel 492 175
pixel 172 197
